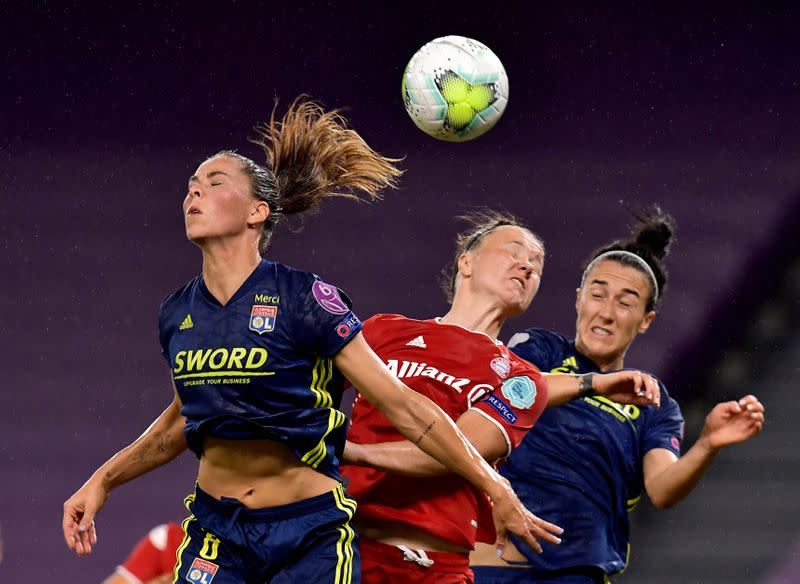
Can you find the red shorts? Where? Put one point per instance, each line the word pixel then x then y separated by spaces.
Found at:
pixel 381 563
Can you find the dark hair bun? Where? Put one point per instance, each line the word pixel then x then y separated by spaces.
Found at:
pixel 654 232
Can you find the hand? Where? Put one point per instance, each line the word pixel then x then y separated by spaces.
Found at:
pixel 79 512
pixel 733 422
pixel 510 515
pixel 628 387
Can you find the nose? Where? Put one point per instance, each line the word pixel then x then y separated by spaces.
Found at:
pixel 526 266
pixel 606 312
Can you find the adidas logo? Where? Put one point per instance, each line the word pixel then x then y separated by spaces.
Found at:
pixel 418 342
pixel 187 323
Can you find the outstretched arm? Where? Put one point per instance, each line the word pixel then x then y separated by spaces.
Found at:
pixel 668 479
pixel 403 458
pixel 160 443
pixel 624 387
pixel 427 426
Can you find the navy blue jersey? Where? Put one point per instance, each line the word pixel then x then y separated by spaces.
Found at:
pixel 260 366
pixel 580 466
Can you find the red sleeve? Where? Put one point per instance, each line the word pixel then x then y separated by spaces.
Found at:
pixel 146 560
pixel 516 405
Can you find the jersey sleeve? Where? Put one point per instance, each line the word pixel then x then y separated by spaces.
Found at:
pixel 324 321
pixel 144 562
pixel 536 346
pixel 665 428
pixel 165 328
pixel 515 406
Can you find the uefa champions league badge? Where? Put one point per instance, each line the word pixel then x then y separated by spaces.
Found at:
pixel 201 571
pixel 502 366
pixel 262 318
pixel 520 391
pixel 327 296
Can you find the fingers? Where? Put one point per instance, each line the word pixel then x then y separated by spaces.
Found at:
pixel 67 524
pixel 652 389
pixel 87 537
pixel 751 404
pixel 638 384
pixel 548 531
pixel 530 541
pixel 500 544
pixel 646 389
pixel 79 529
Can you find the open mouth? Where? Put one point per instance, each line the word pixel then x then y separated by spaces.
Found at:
pixel 600 331
pixel 520 282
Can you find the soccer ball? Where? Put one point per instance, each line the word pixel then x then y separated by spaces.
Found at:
pixel 455 88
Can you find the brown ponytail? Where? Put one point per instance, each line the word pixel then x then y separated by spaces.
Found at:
pixel 314 155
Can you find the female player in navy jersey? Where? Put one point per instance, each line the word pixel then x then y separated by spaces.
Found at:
pixel 585 464
pixel 252 346
pixel 420 528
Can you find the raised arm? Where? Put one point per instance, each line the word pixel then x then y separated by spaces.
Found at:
pixel 624 387
pixel 668 479
pixel 160 443
pixel 427 426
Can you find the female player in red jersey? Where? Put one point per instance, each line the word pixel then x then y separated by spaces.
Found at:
pixel 422 529
pixel 251 345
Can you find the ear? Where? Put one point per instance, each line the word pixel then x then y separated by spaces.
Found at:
pixel 577 299
pixel 465 264
pixel 258 214
pixel 645 324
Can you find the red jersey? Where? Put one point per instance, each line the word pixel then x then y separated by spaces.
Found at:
pixel 154 554
pixel 459 370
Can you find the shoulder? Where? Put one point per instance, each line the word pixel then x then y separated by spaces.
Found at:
pixel 669 406
pixel 179 296
pixel 383 326
pixel 539 346
pixel 537 336
pixel 387 319
pixel 159 536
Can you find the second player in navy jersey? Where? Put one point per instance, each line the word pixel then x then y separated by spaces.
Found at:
pixel 586 464
pixel 249 343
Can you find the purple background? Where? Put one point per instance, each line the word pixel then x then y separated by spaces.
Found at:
pixel 107 112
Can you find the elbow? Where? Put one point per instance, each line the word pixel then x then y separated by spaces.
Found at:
pixel 663 501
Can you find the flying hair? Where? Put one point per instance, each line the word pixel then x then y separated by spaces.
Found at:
pixel 312 154
pixel 650 241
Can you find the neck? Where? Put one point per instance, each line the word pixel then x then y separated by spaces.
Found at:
pixel 603 362
pixel 475 315
pixel 226 265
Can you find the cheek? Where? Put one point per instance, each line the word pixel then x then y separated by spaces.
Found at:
pixel 631 324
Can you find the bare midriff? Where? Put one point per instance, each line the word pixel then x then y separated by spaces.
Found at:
pixel 485 554
pixel 259 473
pixel 392 533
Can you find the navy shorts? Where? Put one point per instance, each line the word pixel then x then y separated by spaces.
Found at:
pixel 308 541
pixel 499 575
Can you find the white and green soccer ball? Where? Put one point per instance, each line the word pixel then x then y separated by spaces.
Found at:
pixel 455 88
